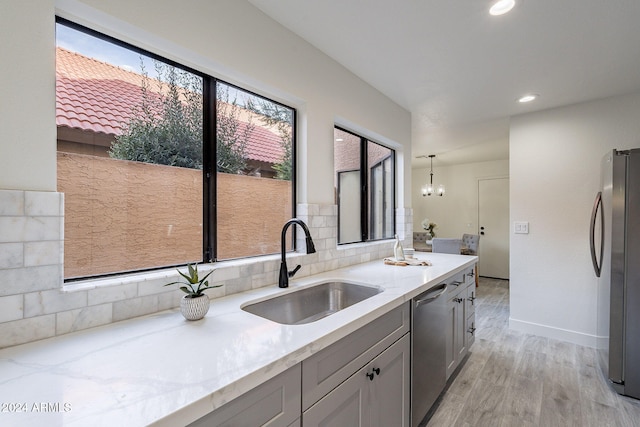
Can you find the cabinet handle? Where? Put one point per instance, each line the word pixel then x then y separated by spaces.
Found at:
pixel 458 300
pixel 472 330
pixel 472 299
pixel 370 375
pixel 471 274
pixel 456 283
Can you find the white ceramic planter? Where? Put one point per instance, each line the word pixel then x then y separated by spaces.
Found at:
pixel 194 308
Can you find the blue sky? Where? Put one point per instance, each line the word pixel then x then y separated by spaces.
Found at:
pixel 94 47
pixel 101 50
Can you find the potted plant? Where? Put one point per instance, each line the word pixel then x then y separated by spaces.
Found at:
pixel 195 304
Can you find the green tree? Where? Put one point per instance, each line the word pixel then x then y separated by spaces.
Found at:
pixel 232 134
pixel 166 127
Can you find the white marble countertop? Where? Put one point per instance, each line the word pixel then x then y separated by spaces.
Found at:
pixel 163 370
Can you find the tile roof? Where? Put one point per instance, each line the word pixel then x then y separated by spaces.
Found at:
pixel 96 96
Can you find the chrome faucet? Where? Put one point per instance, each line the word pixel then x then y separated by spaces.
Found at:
pixel 283 281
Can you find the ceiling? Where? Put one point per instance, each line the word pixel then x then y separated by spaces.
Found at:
pixel 459 71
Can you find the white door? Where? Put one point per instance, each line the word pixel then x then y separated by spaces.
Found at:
pixel 493 221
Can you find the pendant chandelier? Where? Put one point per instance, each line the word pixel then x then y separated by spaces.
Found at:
pixel 428 189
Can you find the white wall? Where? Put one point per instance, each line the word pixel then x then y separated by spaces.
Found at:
pixel 456 212
pixel 554 173
pixel 27 104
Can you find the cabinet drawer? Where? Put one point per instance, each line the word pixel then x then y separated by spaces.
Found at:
pixel 326 369
pixel 470 330
pixel 276 403
pixel 470 300
pixel 470 275
pixel 456 284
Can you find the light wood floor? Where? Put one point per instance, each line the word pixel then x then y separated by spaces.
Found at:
pixel 516 379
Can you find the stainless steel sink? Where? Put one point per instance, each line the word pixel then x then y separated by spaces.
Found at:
pixel 313 303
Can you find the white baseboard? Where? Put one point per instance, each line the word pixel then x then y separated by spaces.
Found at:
pixel 573 337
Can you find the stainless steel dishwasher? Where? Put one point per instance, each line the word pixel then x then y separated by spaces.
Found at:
pixel 428 347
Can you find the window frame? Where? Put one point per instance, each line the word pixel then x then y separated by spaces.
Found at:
pixel 381 166
pixel 366 193
pixel 209 152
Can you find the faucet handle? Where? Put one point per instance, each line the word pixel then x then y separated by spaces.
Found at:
pixel 294 271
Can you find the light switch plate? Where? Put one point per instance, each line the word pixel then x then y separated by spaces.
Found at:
pixel 521 227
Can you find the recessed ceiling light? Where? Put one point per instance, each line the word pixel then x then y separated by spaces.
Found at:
pixel 501 7
pixel 527 98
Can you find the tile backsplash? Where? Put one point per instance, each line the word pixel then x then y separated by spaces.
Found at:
pixel 35 303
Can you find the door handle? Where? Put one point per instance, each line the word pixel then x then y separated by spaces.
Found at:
pixel 594 213
pixel 442 290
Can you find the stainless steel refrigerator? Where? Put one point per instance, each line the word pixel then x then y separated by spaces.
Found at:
pixel 615 252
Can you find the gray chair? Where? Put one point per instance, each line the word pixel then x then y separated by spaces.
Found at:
pixel 446 245
pixel 420 241
pixel 471 241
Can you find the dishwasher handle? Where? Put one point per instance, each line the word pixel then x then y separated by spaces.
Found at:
pixel 441 290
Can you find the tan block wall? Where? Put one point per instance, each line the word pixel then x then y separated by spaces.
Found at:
pixel 251 213
pixel 122 215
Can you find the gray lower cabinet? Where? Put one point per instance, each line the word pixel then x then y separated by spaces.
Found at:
pixel 376 395
pixel 329 367
pixel 361 380
pixel 460 329
pixel 276 403
pixel 470 313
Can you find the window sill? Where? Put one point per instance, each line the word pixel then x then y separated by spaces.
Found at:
pixel 347 246
pixel 169 274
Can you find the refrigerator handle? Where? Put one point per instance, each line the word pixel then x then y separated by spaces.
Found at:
pixel 594 215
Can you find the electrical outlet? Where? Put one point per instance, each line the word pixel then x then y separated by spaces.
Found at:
pixel 521 227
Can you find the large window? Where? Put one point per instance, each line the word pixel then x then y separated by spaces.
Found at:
pixel 365 186
pixel 162 165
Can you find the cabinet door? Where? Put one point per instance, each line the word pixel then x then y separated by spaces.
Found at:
pixel 461 324
pixel 346 405
pixel 376 395
pixel 455 332
pixel 276 403
pixel 329 367
pixel 391 386
pixel 470 315
pixel 450 335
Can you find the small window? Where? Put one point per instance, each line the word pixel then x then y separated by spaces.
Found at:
pixel 365 188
